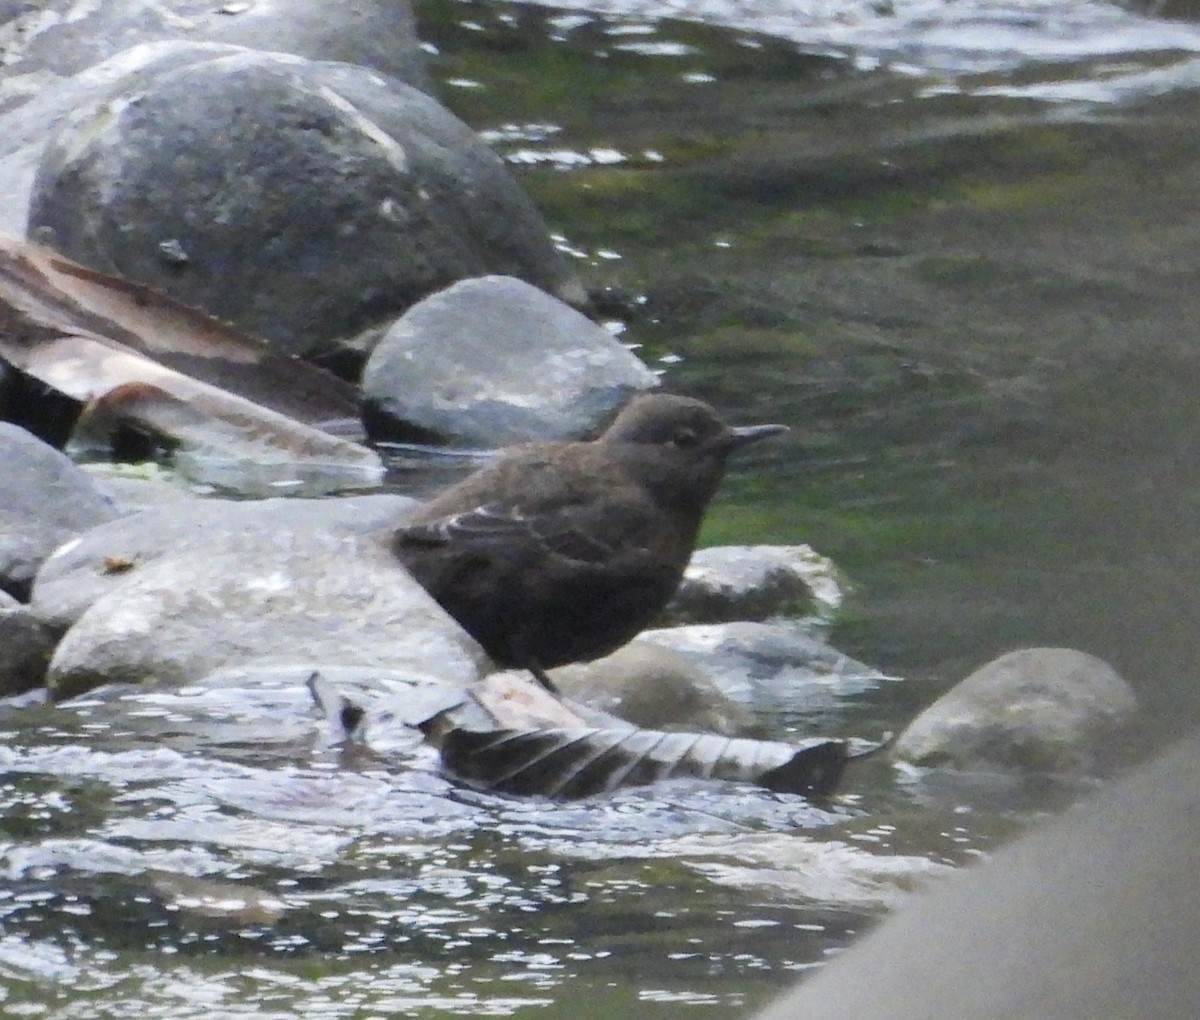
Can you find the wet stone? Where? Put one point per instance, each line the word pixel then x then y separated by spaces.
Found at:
pixel 653 687
pixel 25 647
pixel 136 487
pixel 63 37
pixel 1035 709
pixel 757 582
pixel 771 667
pixel 45 500
pixel 495 361
pixel 293 597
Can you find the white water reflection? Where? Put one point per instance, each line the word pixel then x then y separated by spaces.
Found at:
pixel 928 37
pixel 139 858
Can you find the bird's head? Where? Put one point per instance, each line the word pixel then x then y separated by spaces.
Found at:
pixel 678 446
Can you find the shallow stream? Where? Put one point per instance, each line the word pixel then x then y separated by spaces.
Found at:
pixel 954 246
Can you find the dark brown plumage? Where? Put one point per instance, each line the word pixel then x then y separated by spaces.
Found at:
pixel 562 552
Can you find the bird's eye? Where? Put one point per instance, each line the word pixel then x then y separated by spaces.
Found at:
pixel 685 438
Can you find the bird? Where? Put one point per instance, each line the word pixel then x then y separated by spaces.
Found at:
pixel 562 552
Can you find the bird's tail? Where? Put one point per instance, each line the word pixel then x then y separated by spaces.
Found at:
pixel 345 718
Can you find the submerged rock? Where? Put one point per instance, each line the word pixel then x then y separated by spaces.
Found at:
pixel 776 666
pixel 44 501
pixel 655 687
pixel 217 438
pixel 1037 709
pixel 755 582
pixel 359 195
pixel 137 487
pixel 108 557
pixel 494 361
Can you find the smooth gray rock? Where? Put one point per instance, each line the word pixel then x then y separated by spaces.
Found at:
pixel 1094 915
pixel 771 667
pixel 655 688
pixel 55 39
pixel 1041 709
pixel 494 361
pixel 107 557
pixel 44 501
pixel 306 202
pixel 288 598
pixel 755 582
pixel 25 647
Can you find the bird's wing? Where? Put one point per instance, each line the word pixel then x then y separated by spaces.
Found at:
pixel 494 527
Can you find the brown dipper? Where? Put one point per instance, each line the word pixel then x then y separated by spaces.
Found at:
pixel 563 552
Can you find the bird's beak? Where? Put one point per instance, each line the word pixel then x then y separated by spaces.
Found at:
pixel 745 434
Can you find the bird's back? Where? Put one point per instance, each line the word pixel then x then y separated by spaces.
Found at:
pixel 553 554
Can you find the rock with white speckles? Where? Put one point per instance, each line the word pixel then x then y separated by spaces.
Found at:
pixel 494 361
pixel 61 54
pixel 306 202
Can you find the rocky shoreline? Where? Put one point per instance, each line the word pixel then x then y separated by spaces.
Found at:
pixel 450 302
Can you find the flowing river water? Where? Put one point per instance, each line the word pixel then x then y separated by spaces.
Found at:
pixel 954 246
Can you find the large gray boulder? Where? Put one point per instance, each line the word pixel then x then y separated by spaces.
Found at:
pixel 311 598
pixel 1038 709
pixel 44 501
pixel 494 361
pixel 305 202
pixel 107 557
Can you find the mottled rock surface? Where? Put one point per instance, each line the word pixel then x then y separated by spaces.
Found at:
pixel 1041 709
pixel 494 361
pixel 61 54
